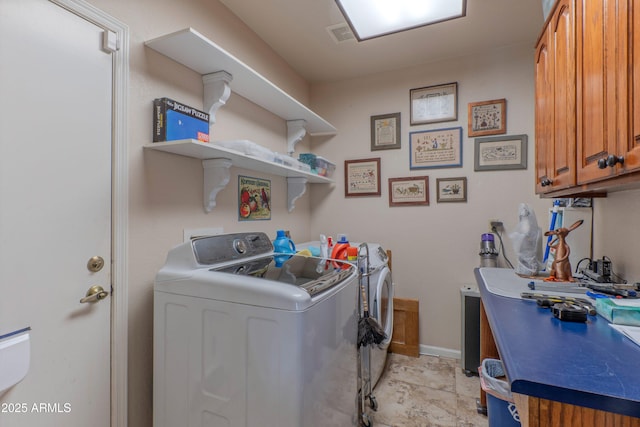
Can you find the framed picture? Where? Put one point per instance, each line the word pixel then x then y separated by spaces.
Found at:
pixel 254 198
pixel 501 153
pixel 437 148
pixel 362 177
pixel 409 191
pixel 385 132
pixel 487 117
pixel 451 189
pixel 434 104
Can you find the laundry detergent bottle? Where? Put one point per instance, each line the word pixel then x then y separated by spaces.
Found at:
pixel 340 250
pixel 283 245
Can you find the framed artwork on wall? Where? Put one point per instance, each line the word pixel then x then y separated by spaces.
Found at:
pixel 362 177
pixel 451 189
pixel 437 148
pixel 409 191
pixel 385 132
pixel 434 104
pixel 500 153
pixel 487 117
pixel 254 196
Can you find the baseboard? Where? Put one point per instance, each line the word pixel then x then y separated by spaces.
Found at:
pixel 429 350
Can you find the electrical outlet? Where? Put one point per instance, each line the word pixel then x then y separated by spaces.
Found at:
pixel 495 225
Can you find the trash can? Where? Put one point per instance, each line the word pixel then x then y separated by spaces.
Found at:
pixel 501 410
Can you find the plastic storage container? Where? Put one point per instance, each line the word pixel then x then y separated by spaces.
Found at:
pixel 501 410
pixel 325 167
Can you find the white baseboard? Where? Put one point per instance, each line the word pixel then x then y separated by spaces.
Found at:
pixel 440 352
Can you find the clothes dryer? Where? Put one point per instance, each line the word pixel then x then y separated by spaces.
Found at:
pixel 380 300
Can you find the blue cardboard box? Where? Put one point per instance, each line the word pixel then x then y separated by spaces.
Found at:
pixel 173 120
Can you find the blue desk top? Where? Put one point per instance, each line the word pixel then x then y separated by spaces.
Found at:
pixel 584 364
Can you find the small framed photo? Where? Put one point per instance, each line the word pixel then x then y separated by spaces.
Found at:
pixel 437 148
pixel 409 191
pixel 451 189
pixel 362 177
pixel 501 153
pixel 434 104
pixel 385 132
pixel 487 117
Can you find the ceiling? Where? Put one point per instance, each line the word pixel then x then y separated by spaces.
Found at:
pixel 297 31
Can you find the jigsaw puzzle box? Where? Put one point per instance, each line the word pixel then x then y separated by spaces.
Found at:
pixel 173 120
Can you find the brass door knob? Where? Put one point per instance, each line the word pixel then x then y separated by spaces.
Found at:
pixel 95 294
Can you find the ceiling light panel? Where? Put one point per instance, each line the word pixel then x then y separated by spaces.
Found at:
pixel 375 18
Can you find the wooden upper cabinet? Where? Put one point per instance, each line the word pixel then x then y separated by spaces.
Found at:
pixel 632 146
pixel 544 113
pixel 556 101
pixel 602 86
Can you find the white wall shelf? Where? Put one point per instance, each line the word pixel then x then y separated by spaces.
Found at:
pixel 193 50
pixel 216 174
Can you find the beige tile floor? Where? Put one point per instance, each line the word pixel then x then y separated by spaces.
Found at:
pixel 427 391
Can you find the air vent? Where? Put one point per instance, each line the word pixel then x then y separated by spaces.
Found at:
pixel 340 33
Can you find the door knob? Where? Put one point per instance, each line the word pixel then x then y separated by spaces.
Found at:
pixel 545 182
pixel 95 294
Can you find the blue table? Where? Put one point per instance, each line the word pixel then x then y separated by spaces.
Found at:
pixel 584 364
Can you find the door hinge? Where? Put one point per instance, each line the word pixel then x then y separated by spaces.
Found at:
pixel 110 42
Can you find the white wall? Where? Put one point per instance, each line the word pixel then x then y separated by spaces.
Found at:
pixel 616 232
pixel 166 190
pixel 435 248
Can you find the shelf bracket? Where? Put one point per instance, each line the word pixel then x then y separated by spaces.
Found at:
pixel 217 90
pixel 296 130
pixel 296 186
pixel 216 177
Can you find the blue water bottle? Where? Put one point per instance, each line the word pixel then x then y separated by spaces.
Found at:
pixel 283 245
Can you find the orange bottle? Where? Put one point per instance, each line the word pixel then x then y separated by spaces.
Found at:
pixel 340 250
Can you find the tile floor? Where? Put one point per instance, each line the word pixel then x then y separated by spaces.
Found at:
pixel 427 391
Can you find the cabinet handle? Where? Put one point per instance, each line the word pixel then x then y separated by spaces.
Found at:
pixel 545 182
pixel 610 161
pixel 602 163
pixel 613 160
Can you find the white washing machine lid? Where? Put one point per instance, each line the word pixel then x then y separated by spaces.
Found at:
pixel 282 281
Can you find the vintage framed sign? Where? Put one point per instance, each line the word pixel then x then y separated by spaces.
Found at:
pixel 451 189
pixel 385 132
pixel 437 148
pixel 500 153
pixel 487 117
pixel 362 177
pixel 434 104
pixel 409 191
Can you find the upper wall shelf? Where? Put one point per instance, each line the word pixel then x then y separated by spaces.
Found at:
pixel 195 51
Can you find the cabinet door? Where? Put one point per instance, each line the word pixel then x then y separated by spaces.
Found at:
pixel 556 102
pixel 544 113
pixel 632 143
pixel 602 94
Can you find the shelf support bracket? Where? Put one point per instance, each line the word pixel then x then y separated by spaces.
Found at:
pixel 296 186
pixel 296 130
pixel 216 177
pixel 217 90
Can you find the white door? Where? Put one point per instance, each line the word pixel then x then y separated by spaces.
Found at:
pixel 55 212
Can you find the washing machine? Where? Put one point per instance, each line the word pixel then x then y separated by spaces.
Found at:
pixel 245 336
pixel 380 285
